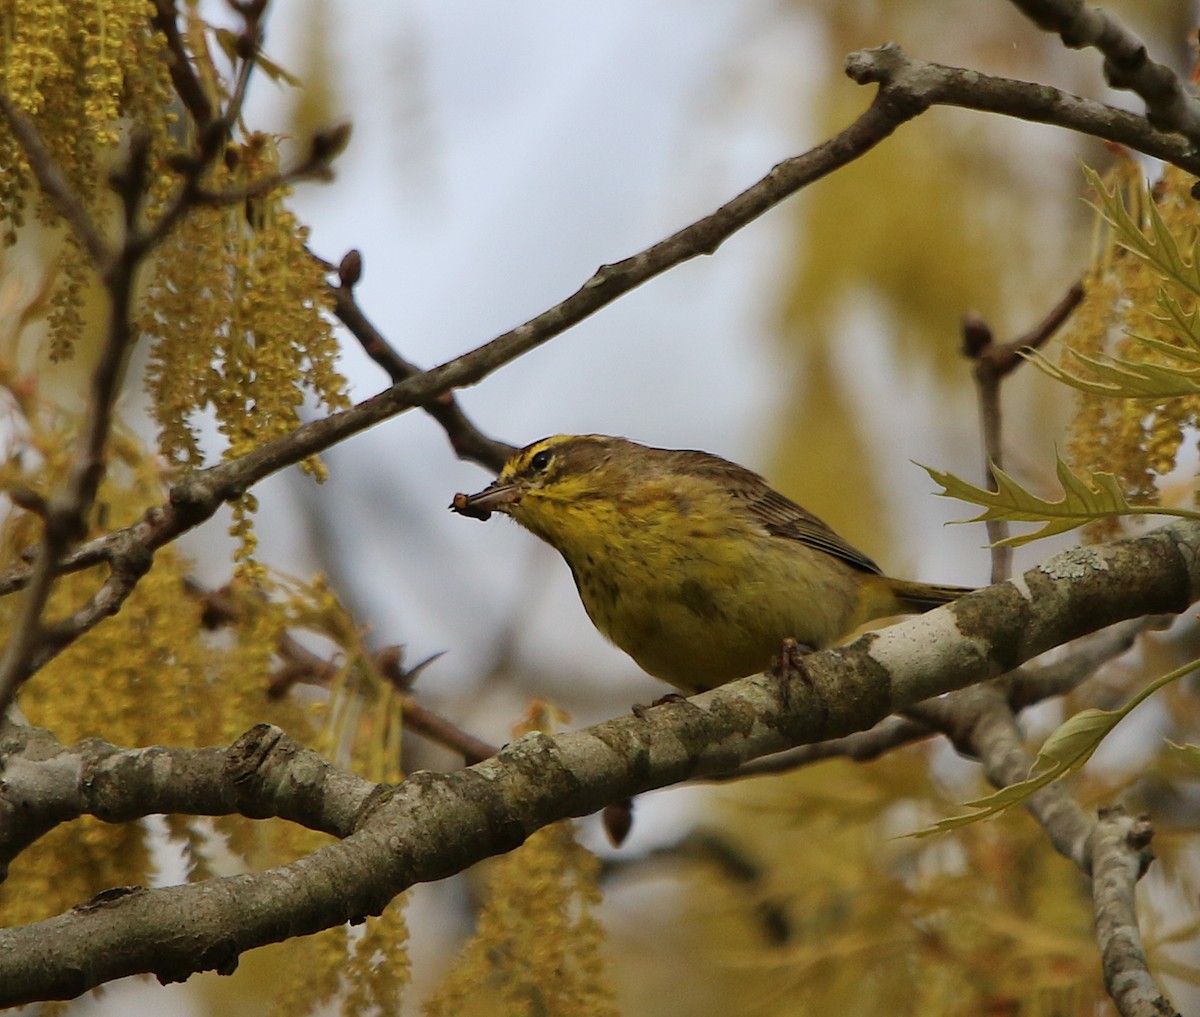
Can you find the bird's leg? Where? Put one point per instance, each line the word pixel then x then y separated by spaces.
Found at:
pixel 671 697
pixel 790 662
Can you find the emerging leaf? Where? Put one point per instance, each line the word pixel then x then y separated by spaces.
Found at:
pixel 1154 242
pixel 1066 750
pixel 1085 499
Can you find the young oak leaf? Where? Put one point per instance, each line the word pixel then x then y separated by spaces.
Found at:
pixel 1128 379
pixel 1094 496
pixel 1154 242
pixel 1070 746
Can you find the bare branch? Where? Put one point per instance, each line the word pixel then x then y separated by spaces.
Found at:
pixel 183 76
pixel 197 497
pixel 55 185
pixel 1120 854
pixel 65 519
pixel 938 85
pixel 466 439
pixel 303 665
pixel 1127 64
pixel 861 746
pixel 993 362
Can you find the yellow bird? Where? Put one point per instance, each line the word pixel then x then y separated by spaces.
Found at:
pixel 691 564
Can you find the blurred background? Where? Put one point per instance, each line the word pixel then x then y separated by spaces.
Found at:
pixel 500 153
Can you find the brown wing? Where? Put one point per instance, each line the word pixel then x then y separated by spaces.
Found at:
pixel 780 516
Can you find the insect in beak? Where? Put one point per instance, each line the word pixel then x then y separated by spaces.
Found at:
pixel 496 497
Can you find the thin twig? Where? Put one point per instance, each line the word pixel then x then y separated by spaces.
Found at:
pixel 65 520
pixel 183 75
pixel 303 665
pixel 55 185
pixel 466 439
pixel 992 363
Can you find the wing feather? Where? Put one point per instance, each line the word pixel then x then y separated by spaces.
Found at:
pixel 779 515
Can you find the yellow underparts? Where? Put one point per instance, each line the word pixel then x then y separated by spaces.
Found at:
pixel 696 594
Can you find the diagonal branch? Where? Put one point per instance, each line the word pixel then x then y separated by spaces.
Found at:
pixel 197 497
pixel 55 185
pixel 466 439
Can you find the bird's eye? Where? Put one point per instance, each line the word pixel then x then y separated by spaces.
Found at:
pixel 540 460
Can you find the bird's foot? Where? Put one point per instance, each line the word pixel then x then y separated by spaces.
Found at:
pixel 639 710
pixel 790 662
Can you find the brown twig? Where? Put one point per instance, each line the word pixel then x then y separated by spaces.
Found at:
pixel 992 363
pixel 67 511
pixel 300 664
pixel 466 439
pixel 55 186
pixel 183 75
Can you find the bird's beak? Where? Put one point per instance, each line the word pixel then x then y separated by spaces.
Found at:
pixel 496 497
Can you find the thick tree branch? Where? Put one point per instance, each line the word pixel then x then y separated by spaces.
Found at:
pixel 1120 853
pixel 46 783
pixel 433 825
pixel 938 85
pixel 1022 687
pixel 1127 64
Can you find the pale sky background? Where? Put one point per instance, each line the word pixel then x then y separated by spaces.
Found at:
pixel 500 153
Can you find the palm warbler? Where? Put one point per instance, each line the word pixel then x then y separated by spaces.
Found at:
pixel 689 563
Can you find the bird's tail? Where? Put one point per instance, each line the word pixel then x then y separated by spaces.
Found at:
pixel 919 597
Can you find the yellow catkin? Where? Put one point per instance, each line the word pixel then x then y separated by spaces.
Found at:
pixel 83 70
pixel 1138 439
pixel 538 947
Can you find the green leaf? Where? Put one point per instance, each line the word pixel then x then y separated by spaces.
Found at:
pixel 1128 379
pixel 1189 755
pixel 1066 750
pixel 1183 323
pixel 1093 496
pixel 1154 242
